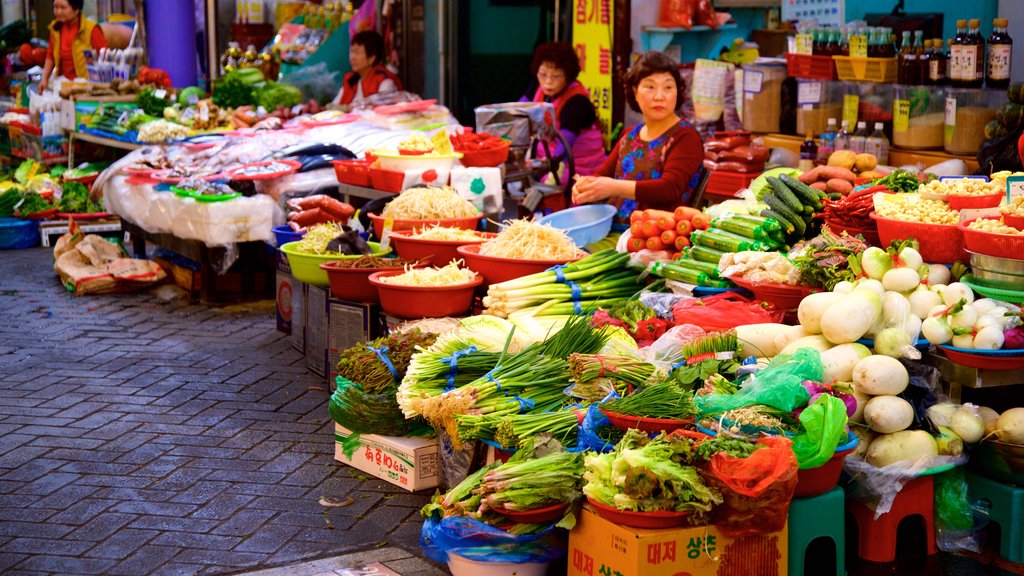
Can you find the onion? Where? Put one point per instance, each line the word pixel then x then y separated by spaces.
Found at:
pixel 964 318
pixel 922 300
pixel 986 321
pixel 955 291
pixel 1010 426
pixel 983 306
pixel 901 280
pixel 989 338
pixel 938 274
pixel 911 259
pixel 871 284
pixel 896 342
pixel 936 330
pixel 963 341
pixel 913 328
pixel 875 262
pixel 844 287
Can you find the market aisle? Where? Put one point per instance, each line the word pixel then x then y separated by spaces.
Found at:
pixel 140 436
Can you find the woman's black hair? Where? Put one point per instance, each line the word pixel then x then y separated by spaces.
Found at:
pixel 561 54
pixel 76 4
pixel 373 43
pixel 651 63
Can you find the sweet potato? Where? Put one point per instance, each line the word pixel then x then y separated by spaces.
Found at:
pixel 839 185
pixel 811 175
pixel 819 185
pixel 830 172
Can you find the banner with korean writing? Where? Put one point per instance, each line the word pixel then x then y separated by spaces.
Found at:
pixel 592 37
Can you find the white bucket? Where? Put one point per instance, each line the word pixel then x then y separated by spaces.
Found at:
pixel 462 566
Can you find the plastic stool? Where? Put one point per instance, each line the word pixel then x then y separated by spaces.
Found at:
pixel 1007 511
pixel 877 538
pixel 813 518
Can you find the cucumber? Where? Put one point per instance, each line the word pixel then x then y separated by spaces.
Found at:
pixel 704 254
pixel 805 193
pixel 769 224
pixel 785 194
pixel 780 207
pixel 679 273
pixel 746 229
pixel 723 241
pixel 787 226
pixel 706 267
pixel 835 196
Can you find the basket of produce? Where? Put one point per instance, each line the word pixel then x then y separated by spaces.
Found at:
pixel 325 243
pixel 414 152
pixel 350 278
pixel 815 481
pixel 657 519
pixel 481 149
pixel 931 222
pixel 520 249
pixel 782 296
pixel 436 245
pixel 991 237
pixel 662 407
pixel 426 292
pixel 583 224
pixel 418 208
pixel 965 192
pixel 1013 213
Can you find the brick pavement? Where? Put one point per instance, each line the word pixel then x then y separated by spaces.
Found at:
pixel 146 437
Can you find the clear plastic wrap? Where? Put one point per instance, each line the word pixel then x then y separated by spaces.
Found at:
pixel 877 487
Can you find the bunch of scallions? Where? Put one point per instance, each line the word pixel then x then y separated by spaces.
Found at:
pixel 599 279
pixel 624 372
pixel 515 430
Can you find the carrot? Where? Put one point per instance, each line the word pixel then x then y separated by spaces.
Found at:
pixel 668 237
pixel 686 213
pixel 677 255
pixel 684 227
pixel 637 215
pixel 655 214
pixel 635 244
pixel 650 228
pixel 655 243
pixel 701 221
pixel 636 228
pixel 681 242
pixel 667 222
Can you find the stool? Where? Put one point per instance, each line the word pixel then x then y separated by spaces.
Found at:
pixel 877 538
pixel 1007 511
pixel 813 518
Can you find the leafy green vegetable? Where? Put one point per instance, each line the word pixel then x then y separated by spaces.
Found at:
pixel 237 88
pixel 630 312
pixel 31 203
pixel 900 181
pixel 26 170
pixel 664 400
pixel 150 104
pixel 735 447
pixel 75 198
pixel 58 170
pixel 648 475
pixel 273 95
pixel 8 199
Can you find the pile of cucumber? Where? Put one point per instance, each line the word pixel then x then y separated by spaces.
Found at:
pixel 792 203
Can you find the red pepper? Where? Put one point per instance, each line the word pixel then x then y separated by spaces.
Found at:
pixel 651 329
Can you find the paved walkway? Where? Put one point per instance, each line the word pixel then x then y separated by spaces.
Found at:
pixel 146 437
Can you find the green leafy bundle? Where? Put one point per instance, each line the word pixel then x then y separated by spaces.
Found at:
pixel 663 400
pixel 365 363
pixel 148 101
pixel 76 199
pixel 274 95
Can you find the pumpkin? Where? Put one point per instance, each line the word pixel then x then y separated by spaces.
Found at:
pixel 995 130
pixel 1016 92
pixel 1011 115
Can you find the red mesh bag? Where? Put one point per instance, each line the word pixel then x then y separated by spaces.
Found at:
pixel 724 311
pixel 756 489
pixel 677 13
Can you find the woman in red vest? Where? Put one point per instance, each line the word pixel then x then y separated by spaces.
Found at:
pixel 556 67
pixel 71 34
pixel 369 76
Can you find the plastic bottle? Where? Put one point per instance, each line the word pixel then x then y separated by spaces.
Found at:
pixel 858 137
pixel 828 142
pixel 877 144
pixel 808 152
pixel 1000 48
pixel 958 55
pixel 843 136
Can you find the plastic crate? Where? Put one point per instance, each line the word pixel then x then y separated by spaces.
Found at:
pixel 989 244
pixel 387 180
pixel 810 67
pixel 29 143
pixel 721 183
pixel 852 69
pixel 354 172
pixel 939 243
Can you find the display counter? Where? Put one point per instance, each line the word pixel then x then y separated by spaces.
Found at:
pixel 897 156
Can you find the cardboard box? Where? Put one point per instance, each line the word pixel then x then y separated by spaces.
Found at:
pixel 300 294
pixel 598 547
pixel 284 292
pixel 410 463
pixel 316 329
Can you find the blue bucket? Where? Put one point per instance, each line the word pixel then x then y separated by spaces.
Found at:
pixel 16 233
pixel 285 234
pixel 584 224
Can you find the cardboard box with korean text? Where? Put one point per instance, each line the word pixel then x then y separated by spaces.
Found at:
pixel 410 463
pixel 285 296
pixel 598 547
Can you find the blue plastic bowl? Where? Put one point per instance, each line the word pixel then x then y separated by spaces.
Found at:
pixel 285 234
pixel 16 234
pixel 584 224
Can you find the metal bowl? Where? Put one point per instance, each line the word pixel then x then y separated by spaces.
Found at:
pixel 1000 461
pixel 1003 265
pixel 998 280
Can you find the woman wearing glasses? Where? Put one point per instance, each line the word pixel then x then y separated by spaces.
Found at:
pixel 555 67
pixel 657 163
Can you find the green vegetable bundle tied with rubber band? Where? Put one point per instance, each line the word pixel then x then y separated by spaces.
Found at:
pixel 726 241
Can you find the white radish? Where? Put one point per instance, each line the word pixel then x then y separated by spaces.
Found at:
pixel 901 280
pixel 938 274
pixel 879 375
pixel 875 262
pixel 789 335
pixel 844 287
pixel 923 300
pixel 888 414
pixel 963 341
pixel 840 361
pixel 813 308
pixel 983 306
pixel 955 291
pixel 964 318
pixel 851 317
pixel 989 338
pixel 910 259
pixel 817 342
pixel 871 284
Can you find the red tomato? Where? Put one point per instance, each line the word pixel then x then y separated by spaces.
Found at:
pixel 668 237
pixel 684 227
pixel 636 229
pixel 635 244
pixel 655 243
pixel 650 228
pixel 681 242
pixel 701 221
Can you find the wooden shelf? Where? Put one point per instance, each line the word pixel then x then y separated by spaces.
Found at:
pixel 747 3
pixel 897 156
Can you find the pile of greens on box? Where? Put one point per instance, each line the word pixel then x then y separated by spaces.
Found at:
pixel 75 199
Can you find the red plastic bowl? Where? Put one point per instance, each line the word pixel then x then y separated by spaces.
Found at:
pixel 486 158
pixel 537 515
pixel 353 284
pixel 782 296
pixel 354 172
pixel 410 152
pixel 869 234
pixel 1014 221
pixel 983 361
pixel 433 252
pixel 1001 245
pixel 961 201
pixel 939 243
pixel 424 301
pixel 815 481
pixel 640 519
pixel 645 424
pixel 399 225
pixel 496 270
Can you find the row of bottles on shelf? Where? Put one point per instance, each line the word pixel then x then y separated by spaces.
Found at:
pixel 873 142
pixel 320 22
pixel 962 61
pixel 235 58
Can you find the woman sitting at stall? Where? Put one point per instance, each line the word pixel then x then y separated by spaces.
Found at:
pixel 369 76
pixel 556 66
pixel 657 163
pixel 71 34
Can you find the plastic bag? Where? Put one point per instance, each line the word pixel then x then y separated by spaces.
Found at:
pixel 661 302
pixel 705 14
pixel 668 349
pixel 824 424
pixel 924 390
pixel 478 541
pixel 316 82
pixel 780 385
pixel 756 489
pixel 587 437
pixel 959 523
pixel 365 413
pixel 877 487
pixel 725 311
pixel 677 13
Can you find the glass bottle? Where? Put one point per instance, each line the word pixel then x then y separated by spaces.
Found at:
pixel 920 69
pixel 937 63
pixel 843 136
pixel 890 43
pixel 844 41
pixel 858 138
pixel 957 52
pixel 903 71
pixel 1000 47
pixel 877 144
pixel 808 152
pixel 828 142
pixel 974 65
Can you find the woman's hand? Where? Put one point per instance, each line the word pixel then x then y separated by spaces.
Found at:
pixel 42 85
pixel 590 189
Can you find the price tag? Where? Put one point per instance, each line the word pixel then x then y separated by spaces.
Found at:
pixel 851 106
pixel 974 213
pixel 193 99
pixel 950 111
pixel 752 81
pixel 900 115
pixel 808 92
pixel 804 44
pixel 122 120
pixel 204 114
pixel 1014 188
pixel 188 114
pixel 859 46
pixel 442 145
pixel 161 93
pixel 385 236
